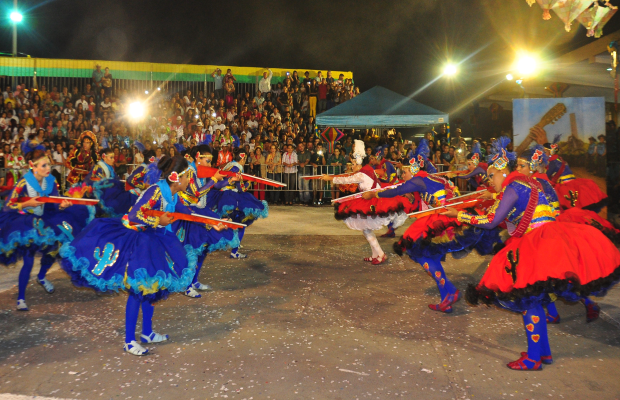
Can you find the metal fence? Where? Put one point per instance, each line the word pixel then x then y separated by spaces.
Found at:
pixel 297 189
pixel 167 88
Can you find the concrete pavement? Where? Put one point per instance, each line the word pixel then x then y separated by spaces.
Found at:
pixel 304 318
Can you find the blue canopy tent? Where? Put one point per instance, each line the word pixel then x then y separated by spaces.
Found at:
pixel 381 108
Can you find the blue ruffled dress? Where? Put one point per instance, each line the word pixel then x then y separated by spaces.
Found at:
pixel 42 228
pixel 231 200
pixel 133 253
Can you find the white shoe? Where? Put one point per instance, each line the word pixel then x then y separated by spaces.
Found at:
pixel 154 338
pixel 47 285
pixel 191 292
pixel 134 348
pixel 238 255
pixel 200 286
pixel 21 305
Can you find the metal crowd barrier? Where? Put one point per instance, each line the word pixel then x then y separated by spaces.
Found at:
pixel 302 189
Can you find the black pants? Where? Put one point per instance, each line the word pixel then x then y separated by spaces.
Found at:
pixel 291 185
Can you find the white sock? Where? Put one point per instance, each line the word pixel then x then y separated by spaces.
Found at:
pixel 373 242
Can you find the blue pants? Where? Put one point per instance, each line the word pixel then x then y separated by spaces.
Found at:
pixel 24 274
pixel 131 317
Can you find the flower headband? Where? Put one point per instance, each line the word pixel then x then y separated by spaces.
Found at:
pixel 152 159
pixel 241 155
pixel 187 157
pixel 500 160
pixel 475 158
pixel 554 148
pixel 174 176
pixel 414 167
pixel 535 160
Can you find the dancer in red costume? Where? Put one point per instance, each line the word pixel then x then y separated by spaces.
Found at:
pixel 82 159
pixel 542 257
pixel 372 214
pixel 572 191
pixel 529 163
pixel 430 238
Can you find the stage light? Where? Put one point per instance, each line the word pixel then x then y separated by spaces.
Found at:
pixel 610 69
pixel 509 77
pixel 136 110
pixel 16 16
pixel 146 92
pixel 450 70
pixel 158 88
pixel 526 65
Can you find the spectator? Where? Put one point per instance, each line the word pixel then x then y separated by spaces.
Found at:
pixel 218 79
pixel 265 84
pixel 274 171
pixel 106 82
pixel 317 160
pixel 258 168
pixel 289 160
pixel 97 76
pixel 337 162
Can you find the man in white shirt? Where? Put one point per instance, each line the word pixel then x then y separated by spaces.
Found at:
pixel 83 102
pixel 161 136
pixel 218 125
pixel 264 85
pixel 70 111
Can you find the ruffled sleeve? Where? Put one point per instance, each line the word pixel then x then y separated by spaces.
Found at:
pixel 150 200
pixel 497 213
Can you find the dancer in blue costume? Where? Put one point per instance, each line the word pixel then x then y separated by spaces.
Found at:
pixel 231 200
pixel 207 240
pixel 114 200
pixel 138 253
pixel 145 175
pixel 421 154
pixel 429 239
pixel 477 176
pixel 33 227
pixel 542 257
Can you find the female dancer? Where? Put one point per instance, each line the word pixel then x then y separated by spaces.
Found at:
pixel 31 226
pixel 528 164
pixel 369 214
pixel 572 192
pixel 231 200
pixel 82 159
pixel 542 257
pixel 209 240
pixel 430 238
pixel 139 253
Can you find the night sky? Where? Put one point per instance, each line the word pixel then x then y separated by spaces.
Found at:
pixel 401 44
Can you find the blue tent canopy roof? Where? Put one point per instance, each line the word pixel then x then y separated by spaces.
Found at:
pixel 381 108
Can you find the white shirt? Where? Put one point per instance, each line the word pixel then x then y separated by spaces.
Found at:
pixel 363 180
pixel 59 159
pixel 220 126
pixel 252 124
pixel 264 85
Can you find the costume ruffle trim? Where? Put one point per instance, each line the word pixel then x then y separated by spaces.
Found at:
pixel 151 288
pixel 340 216
pixel 567 288
pixel 79 190
pixel 225 244
pixel 249 213
pixel 438 241
pixel 16 240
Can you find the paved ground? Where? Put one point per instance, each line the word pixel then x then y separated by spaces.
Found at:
pixel 303 318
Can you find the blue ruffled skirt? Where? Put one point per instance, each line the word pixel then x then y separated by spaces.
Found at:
pixel 204 240
pixel 24 232
pixel 149 264
pixel 114 200
pixel 241 207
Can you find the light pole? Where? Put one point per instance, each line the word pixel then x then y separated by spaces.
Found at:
pixel 16 17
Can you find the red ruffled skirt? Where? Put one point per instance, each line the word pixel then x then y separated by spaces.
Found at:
pixel 589 195
pixel 557 257
pixel 436 235
pixel 587 217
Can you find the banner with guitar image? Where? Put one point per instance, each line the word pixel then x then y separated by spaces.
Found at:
pixel 579 120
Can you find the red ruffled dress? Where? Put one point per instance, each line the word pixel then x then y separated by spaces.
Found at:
pixel 572 191
pixel 543 255
pixel 373 214
pixel 574 214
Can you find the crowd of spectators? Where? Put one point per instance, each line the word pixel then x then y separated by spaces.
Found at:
pixel 275 127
